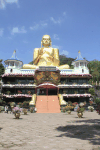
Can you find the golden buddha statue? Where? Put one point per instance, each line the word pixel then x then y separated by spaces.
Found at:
pixel 46 55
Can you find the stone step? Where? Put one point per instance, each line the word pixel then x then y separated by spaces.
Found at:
pixel 47 104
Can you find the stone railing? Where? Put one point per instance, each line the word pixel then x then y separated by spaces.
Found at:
pixel 76 95
pixel 16 95
pixel 19 85
pixel 75 86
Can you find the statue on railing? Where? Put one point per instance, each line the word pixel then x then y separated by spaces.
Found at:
pixel 46 55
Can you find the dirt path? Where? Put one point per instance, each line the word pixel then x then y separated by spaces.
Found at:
pixel 51 131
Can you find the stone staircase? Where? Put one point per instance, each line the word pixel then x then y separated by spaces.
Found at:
pixel 47 104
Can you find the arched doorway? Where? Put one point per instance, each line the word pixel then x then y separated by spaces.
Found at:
pixel 47 89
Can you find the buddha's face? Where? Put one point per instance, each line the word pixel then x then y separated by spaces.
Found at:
pixel 46 40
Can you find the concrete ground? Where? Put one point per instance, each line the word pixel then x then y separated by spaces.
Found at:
pixel 50 131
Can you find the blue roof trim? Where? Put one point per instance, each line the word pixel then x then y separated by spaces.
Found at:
pixel 14 59
pixel 79 59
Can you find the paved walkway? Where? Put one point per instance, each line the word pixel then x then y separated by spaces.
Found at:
pixel 52 131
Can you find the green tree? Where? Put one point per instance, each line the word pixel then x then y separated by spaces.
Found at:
pixel 31 63
pixel 2 69
pixel 91 91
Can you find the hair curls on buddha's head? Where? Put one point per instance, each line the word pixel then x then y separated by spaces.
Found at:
pixel 45 36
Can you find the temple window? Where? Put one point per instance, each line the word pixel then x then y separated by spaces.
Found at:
pixel 81 91
pixel 16 64
pixel 12 63
pixel 81 63
pixel 82 70
pixel 77 64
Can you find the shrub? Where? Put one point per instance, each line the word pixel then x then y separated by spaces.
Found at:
pixel 12 103
pixel 80 109
pixel 31 109
pixel 29 92
pixel 20 104
pixel 91 91
pixel 8 92
pixel 16 110
pixel 25 103
pixel 70 103
pixel 97 101
pixel 19 92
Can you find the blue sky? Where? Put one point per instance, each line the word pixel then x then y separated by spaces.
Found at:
pixel 73 25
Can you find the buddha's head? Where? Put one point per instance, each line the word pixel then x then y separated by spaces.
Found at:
pixel 46 41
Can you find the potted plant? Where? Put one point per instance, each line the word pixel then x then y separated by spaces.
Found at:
pixel 16 111
pixel 25 104
pixel 84 103
pixel 20 104
pixel 97 101
pixel 8 92
pixel 80 111
pixel 64 109
pixel 91 102
pixel 76 92
pixel 25 111
pixel 31 109
pixel 29 92
pixel 19 92
pixel 84 83
pixel 64 82
pixel 91 108
pixel 8 82
pixel 98 109
pixel 70 104
pixel 74 104
pixel 68 109
pixel 74 83
pixel 64 91
pixel 12 104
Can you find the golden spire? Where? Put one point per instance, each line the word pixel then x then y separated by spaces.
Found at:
pixel 14 51
pixel 79 51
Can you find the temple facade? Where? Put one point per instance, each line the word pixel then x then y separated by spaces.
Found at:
pixel 47 85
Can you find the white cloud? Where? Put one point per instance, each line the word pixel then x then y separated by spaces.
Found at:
pixel 4 2
pixel 44 24
pixel 35 27
pixel 64 13
pixel 1 32
pixel 55 36
pixel 64 52
pixel 39 25
pixel 55 21
pixel 17 30
pixel 12 1
pixel 55 46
